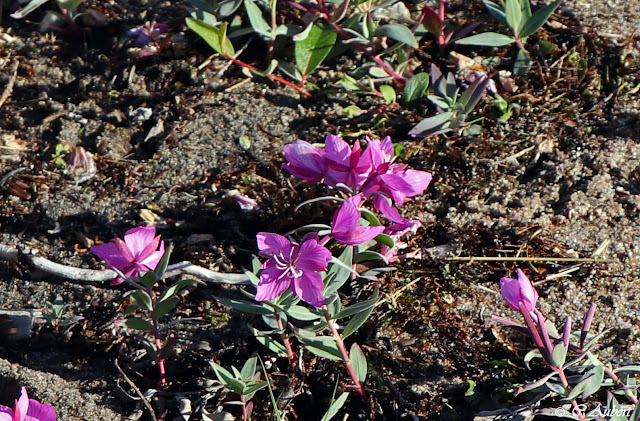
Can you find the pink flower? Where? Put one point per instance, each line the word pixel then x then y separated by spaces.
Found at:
pixel 345 227
pixel 139 251
pixel 305 161
pixel 520 290
pixel 292 265
pixel 26 409
pixel 344 164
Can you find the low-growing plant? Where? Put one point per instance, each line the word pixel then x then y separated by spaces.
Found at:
pixel 138 262
pixel 57 317
pixel 576 372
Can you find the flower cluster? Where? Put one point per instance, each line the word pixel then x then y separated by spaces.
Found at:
pixel 365 175
pixel 26 409
pixel 372 172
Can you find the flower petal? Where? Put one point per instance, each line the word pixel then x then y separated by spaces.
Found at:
pixel 150 250
pixel 40 412
pixel 270 287
pixel 139 238
pixel 510 290
pixel 313 257
pixel 347 215
pixel 305 161
pixel 390 212
pixel 111 254
pixel 309 288
pixel 270 244
pixel 528 294
pixel 6 413
pixel 22 405
pixel 357 236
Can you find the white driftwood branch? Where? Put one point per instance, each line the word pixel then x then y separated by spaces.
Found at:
pixel 90 275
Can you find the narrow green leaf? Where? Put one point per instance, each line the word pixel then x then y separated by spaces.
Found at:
pixel 559 355
pixel 257 21
pixel 339 271
pixel 399 33
pixel 30 7
pixel 249 367
pixel 415 89
pixel 300 313
pixel 487 39
pixel 359 362
pixel 173 289
pixel 385 239
pixel 164 262
pixel 215 37
pixel 368 255
pixel 269 342
pixel 497 11
pixel 359 307
pixel 513 13
pixel 439 123
pixel 148 279
pixel 335 406
pixel 164 307
pixel 244 306
pixel 252 387
pixel 594 383
pixel 538 19
pixel 138 323
pixel 357 321
pixel 70 4
pixel 228 7
pixel 142 299
pixel 312 50
pixel 326 349
pixel 227 379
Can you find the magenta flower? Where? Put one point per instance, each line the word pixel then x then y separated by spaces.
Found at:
pixel 292 265
pixel 520 290
pixel 344 164
pixel 148 33
pixel 139 251
pixel 345 227
pixel 26 409
pixel 305 161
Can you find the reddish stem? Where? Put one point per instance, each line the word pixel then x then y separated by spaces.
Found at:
pixel 345 354
pixel 285 339
pixel 272 77
pixel 156 334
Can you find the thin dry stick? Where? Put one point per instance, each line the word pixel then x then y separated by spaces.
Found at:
pixel 530 259
pixel 138 392
pixel 90 275
pixel 12 80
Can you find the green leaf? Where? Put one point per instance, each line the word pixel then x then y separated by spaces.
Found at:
pixel 70 4
pixel 228 7
pixel 269 342
pixel 487 39
pixel 367 256
pixel 594 383
pixel 227 379
pixel 357 321
pixel 538 19
pixel 339 271
pixel 513 13
pixel 439 123
pixel 522 63
pixel 335 406
pixel 322 348
pixel 30 7
pixel 359 362
pixel 244 306
pixel 249 367
pixel 173 289
pixel 163 307
pixel 559 355
pixel 359 307
pixel 257 21
pixel 416 88
pixel 300 313
pixel 138 323
pixel 497 11
pixel 385 239
pixel 388 93
pixel 399 33
pixel 142 299
pixel 312 50
pixel 148 279
pixel 164 262
pixel 252 387
pixel 215 37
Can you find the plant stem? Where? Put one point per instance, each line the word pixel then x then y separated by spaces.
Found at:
pixel 441 39
pixel 285 339
pixel 565 383
pixel 272 77
pixel 158 340
pixel 345 354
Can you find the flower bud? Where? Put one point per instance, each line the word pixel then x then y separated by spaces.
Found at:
pixel 519 290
